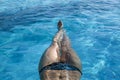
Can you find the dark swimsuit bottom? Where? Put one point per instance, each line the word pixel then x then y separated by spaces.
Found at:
pixel 60 66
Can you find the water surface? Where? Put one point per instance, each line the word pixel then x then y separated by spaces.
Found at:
pixel 27 28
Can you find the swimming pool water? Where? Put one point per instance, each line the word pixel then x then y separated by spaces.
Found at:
pixel 27 28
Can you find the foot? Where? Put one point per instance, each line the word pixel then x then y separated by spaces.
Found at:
pixel 59 25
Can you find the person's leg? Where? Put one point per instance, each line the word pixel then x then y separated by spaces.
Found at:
pixel 51 55
pixel 58 37
pixel 65 46
pixel 69 56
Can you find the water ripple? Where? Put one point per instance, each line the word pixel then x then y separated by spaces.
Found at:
pixel 27 28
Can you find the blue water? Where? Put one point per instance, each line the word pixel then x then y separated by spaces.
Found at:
pixel 27 28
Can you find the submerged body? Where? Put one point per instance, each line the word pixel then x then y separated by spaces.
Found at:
pixel 60 62
pixel 60 75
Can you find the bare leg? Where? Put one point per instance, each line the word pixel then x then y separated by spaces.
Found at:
pixel 60 44
pixel 68 54
pixel 51 55
pixel 58 37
